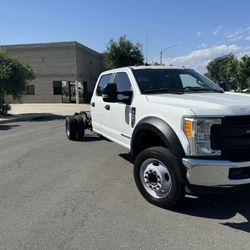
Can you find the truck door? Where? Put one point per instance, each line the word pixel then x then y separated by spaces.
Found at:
pixel 97 104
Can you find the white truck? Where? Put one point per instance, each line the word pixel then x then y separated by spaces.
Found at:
pixel 184 132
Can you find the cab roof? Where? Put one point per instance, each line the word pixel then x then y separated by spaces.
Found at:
pixel 143 67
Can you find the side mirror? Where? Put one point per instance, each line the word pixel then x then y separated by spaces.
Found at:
pixel 128 97
pixel 110 93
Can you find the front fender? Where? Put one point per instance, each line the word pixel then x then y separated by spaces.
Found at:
pixel 162 129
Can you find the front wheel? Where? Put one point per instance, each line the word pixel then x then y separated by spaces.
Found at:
pixel 156 178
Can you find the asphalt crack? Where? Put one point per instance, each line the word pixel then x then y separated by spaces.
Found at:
pixel 18 161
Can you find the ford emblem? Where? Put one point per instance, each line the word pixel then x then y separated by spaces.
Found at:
pixel 243 109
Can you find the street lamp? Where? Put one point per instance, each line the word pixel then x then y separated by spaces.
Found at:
pixel 174 45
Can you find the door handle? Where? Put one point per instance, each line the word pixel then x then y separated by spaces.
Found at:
pixel 92 104
pixel 107 107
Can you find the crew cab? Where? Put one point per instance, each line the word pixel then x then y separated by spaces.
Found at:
pixel 184 132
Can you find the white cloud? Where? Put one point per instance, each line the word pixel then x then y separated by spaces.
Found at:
pixel 199 59
pixel 217 30
pixel 240 34
pixel 203 46
pixel 248 38
pixel 243 52
pixel 199 33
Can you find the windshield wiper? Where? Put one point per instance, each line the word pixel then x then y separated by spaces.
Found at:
pixel 180 91
pixel 198 89
pixel 163 90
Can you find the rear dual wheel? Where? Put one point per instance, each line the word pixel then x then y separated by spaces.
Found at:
pixel 74 126
pixel 80 126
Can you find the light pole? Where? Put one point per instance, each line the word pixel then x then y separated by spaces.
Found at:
pixel 174 45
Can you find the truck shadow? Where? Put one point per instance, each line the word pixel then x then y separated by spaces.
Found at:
pixel 42 117
pixel 7 127
pixel 33 117
pixel 127 157
pixel 92 137
pixel 220 207
pixel 216 206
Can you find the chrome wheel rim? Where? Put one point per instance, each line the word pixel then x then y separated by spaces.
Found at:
pixel 155 178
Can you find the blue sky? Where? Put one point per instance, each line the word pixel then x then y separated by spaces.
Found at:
pixel 202 30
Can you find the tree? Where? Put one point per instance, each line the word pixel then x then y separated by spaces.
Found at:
pixel 244 71
pixel 224 70
pixel 122 53
pixel 14 75
pixel 207 74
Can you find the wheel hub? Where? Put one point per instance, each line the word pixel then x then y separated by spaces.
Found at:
pixel 152 179
pixel 155 178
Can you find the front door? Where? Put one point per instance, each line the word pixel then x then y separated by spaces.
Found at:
pixel 117 118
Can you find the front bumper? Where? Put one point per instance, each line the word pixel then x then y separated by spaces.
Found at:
pixel 216 173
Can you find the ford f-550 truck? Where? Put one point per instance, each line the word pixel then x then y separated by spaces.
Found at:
pixel 183 131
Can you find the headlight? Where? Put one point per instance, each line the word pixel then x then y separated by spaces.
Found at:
pixel 198 131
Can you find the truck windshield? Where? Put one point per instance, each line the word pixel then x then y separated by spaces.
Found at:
pixel 178 81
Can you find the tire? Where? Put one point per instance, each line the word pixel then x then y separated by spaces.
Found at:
pixel 4 110
pixel 156 178
pixel 80 121
pixel 71 127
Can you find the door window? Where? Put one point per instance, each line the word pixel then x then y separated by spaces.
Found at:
pixel 105 79
pixel 124 88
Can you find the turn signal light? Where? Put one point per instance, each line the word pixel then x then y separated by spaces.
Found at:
pixel 188 128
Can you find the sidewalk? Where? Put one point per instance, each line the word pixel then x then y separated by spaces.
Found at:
pixel 35 110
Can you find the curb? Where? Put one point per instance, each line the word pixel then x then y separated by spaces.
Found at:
pixel 30 117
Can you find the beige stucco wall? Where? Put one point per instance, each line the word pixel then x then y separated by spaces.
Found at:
pixel 66 61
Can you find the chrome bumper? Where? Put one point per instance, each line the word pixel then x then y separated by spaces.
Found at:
pixel 213 173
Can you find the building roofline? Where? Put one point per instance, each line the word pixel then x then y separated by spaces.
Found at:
pixel 86 48
pixel 48 45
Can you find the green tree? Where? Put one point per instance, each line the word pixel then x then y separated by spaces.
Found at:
pixel 224 70
pixel 207 74
pixel 122 53
pixel 244 71
pixel 14 75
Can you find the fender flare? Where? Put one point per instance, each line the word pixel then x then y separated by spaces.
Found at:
pixel 160 128
pixel 169 138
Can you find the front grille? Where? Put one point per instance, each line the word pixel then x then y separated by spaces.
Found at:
pixel 232 137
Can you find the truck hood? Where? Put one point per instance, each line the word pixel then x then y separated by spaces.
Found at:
pixel 206 104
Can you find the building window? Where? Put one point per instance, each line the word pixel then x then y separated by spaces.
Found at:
pixel 30 89
pixel 57 88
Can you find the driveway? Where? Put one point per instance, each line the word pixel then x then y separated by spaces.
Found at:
pixel 59 194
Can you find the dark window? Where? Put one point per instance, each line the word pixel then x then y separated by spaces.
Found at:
pixel 172 80
pixel 102 83
pixel 85 87
pixel 123 85
pixel 30 89
pixel 57 88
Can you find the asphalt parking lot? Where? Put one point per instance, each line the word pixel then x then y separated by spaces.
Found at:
pixel 59 194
